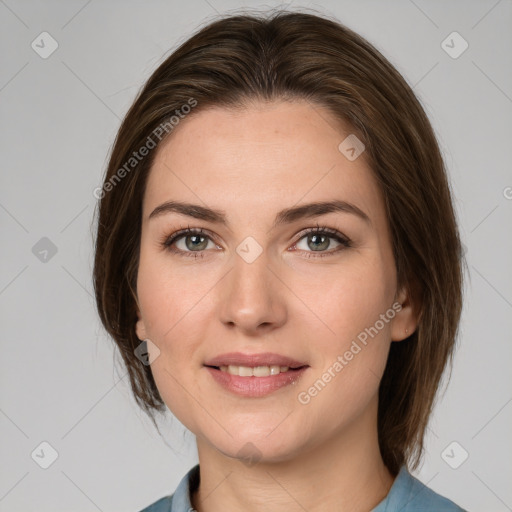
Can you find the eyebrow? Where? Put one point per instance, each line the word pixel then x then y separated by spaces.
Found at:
pixel 286 216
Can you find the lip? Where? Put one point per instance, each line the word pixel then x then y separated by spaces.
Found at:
pixel 252 360
pixel 255 386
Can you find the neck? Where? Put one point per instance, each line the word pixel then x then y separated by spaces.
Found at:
pixel 343 473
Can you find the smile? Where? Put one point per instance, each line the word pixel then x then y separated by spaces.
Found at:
pixel 256 371
pixel 257 381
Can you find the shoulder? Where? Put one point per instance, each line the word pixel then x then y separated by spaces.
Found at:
pixel 180 500
pixel 422 498
pixel 408 494
pixel 162 505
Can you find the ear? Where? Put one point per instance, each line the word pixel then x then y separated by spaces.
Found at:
pixel 140 327
pixel 407 318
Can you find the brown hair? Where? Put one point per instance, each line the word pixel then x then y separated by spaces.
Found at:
pixel 287 55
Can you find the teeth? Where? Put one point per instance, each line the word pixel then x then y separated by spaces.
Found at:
pixel 257 371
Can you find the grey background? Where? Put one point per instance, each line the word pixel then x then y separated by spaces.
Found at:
pixel 59 379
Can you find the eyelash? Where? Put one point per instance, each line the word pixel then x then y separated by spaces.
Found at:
pixel 167 241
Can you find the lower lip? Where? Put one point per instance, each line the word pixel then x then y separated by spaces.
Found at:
pixel 255 386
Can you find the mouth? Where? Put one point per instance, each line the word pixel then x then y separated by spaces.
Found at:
pixel 262 361
pixel 254 375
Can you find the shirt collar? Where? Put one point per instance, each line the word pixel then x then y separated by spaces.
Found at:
pixel 181 501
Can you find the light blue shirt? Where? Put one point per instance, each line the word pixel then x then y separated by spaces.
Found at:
pixel 407 494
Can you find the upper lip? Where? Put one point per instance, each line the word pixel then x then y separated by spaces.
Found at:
pixel 252 360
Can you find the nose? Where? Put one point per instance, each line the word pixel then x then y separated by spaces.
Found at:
pixel 252 297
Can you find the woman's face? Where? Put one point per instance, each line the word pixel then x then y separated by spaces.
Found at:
pixel 256 283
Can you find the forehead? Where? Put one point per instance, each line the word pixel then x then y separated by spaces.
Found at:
pixel 260 158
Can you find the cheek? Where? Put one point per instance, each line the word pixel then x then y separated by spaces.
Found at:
pixel 347 298
pixel 352 361
pixel 173 313
pixel 167 293
pixel 352 356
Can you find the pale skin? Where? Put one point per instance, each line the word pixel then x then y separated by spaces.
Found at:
pixel 252 163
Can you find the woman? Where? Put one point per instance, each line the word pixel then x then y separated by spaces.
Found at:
pixel 278 261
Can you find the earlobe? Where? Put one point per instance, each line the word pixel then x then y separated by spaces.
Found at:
pixel 140 328
pixel 407 318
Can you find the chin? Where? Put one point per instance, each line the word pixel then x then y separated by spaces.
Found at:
pixel 251 447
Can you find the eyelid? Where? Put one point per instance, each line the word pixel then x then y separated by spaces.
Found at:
pixel 168 240
pixel 323 229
